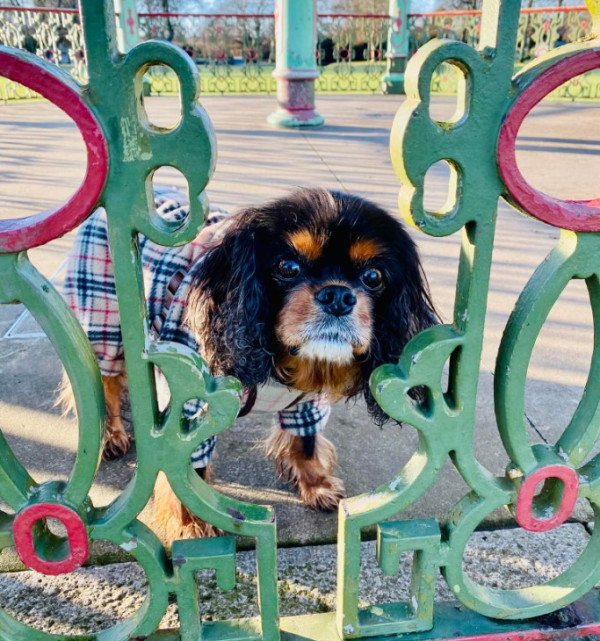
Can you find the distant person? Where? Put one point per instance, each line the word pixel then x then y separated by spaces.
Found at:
pixel 562 37
pixel 190 51
pixel 63 46
pixel 29 41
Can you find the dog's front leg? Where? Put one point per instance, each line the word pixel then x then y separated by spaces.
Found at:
pixel 116 442
pixel 308 463
pixel 173 518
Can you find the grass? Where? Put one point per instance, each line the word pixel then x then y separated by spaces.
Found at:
pixel 344 78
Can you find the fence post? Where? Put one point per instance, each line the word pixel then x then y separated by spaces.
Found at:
pixel 296 65
pixel 397 49
pixel 128 30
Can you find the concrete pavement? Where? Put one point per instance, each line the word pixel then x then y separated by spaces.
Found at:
pixel 41 164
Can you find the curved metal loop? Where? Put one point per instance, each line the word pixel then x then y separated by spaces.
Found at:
pixel 20 281
pixel 188 378
pixel 535 83
pixel 423 357
pixel 576 256
pixel 159 52
pixel 189 147
pixel 166 232
pixel 543 513
pixel 513 604
pixel 64 92
pixel 139 541
pixel 429 57
pixel 414 129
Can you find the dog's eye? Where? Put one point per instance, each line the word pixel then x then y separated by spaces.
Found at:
pixel 372 278
pixel 288 269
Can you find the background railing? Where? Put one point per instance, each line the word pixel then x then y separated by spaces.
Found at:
pixel 235 53
pixel 540 28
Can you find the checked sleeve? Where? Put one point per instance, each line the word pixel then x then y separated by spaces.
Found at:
pixel 306 418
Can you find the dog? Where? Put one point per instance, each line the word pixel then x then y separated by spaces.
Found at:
pixel 300 299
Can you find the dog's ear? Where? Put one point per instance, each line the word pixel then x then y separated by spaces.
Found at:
pixel 228 308
pixel 406 310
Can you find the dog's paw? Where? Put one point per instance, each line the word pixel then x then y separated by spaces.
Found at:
pixel 323 495
pixel 173 519
pixel 116 445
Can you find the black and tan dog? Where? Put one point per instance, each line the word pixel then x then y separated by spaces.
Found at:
pixel 300 299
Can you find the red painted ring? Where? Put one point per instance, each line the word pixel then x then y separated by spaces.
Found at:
pixel 576 215
pixel 31 231
pixel 523 513
pixel 76 534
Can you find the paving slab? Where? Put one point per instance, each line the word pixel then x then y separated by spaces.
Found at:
pixel 41 164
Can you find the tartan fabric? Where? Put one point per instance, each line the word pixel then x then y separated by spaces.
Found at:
pixel 89 289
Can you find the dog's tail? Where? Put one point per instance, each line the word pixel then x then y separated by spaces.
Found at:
pixel 65 399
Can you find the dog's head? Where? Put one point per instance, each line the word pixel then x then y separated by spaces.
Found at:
pixel 316 289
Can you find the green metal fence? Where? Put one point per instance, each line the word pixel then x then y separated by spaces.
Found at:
pixel 123 152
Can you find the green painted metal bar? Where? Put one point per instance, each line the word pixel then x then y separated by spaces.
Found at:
pixel 129 28
pixel 397 48
pixel 296 66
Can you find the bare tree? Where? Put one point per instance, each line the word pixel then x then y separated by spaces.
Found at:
pixel 448 5
pixel 244 6
pixel 353 6
pixel 56 4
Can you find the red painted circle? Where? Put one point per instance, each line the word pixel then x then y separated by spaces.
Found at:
pixel 23 233
pixel 23 536
pixel 576 215
pixel 523 513
pixel 344 54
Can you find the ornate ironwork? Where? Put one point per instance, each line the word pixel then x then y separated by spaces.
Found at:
pixel 54 34
pixel 493 107
pixel 540 29
pixel 122 154
pixel 351 52
pixel 236 53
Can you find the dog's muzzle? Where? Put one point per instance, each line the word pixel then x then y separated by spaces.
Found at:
pixel 336 300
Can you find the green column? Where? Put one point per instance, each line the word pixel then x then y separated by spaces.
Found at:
pixel 296 67
pixel 397 51
pixel 128 27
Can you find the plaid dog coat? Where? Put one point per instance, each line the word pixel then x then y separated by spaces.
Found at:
pixel 90 292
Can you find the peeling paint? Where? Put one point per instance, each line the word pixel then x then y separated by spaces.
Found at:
pixel 415 604
pixel 128 546
pixel 131 150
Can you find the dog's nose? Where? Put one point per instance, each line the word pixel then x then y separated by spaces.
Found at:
pixel 336 300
